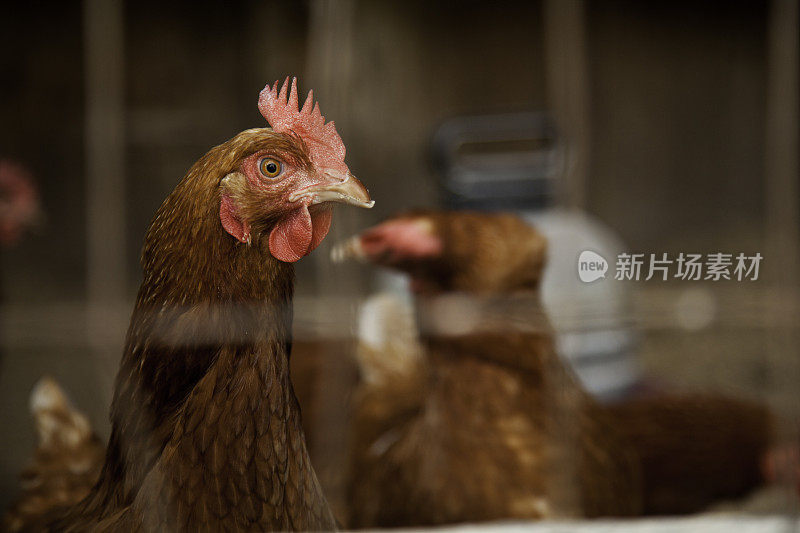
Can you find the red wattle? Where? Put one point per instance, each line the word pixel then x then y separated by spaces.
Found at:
pixel 321 223
pixel 297 234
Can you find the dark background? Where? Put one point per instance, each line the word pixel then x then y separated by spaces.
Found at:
pixel 675 115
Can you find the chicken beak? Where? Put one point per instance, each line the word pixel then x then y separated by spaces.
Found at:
pixel 347 191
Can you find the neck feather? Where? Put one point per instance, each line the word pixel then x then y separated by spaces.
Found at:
pixel 206 301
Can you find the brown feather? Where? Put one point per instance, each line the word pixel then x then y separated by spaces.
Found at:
pixel 491 424
pixel 206 431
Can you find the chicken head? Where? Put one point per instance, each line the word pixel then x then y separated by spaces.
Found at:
pixel 454 250
pixel 283 189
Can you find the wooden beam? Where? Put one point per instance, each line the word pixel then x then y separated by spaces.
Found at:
pixel 568 92
pixel 105 177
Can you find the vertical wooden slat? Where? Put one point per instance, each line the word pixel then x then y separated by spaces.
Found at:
pixel 330 73
pixel 782 226
pixel 568 92
pixel 568 99
pixel 105 171
pixel 781 165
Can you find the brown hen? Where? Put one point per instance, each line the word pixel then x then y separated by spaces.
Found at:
pixel 67 460
pixel 489 423
pixel 206 431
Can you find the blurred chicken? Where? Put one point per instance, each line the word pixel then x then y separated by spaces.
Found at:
pixel 67 461
pixel 206 430
pixel 19 202
pixel 496 426
pixel 488 423
pixel 694 450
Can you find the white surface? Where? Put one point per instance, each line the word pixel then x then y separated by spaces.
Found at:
pixel 702 524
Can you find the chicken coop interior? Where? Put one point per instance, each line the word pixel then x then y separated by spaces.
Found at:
pixel 480 349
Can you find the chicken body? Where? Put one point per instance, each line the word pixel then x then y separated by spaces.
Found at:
pixel 67 461
pixel 489 423
pixel 206 431
pixel 501 428
pixel 514 444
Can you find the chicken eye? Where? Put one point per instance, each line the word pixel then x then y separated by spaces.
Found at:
pixel 270 167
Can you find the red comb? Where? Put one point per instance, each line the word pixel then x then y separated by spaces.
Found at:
pixel 281 112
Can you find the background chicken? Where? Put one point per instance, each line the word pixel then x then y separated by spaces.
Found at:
pixel 489 424
pixel 19 202
pixel 205 425
pixel 67 461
